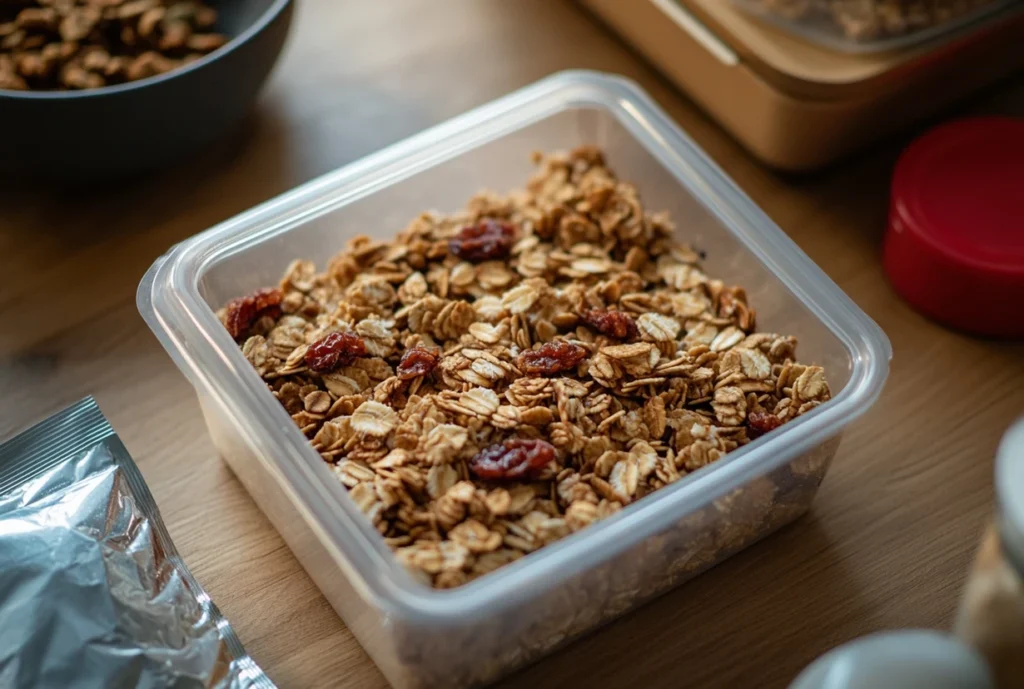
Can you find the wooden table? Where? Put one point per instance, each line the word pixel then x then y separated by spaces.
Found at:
pixel 890 536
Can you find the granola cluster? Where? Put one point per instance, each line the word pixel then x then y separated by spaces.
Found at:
pixel 86 44
pixel 865 20
pixel 496 379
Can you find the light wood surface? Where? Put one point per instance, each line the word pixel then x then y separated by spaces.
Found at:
pixel 891 534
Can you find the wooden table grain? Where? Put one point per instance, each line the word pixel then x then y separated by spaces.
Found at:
pixel 889 538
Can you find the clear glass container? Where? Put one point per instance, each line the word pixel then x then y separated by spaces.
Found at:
pixel 860 26
pixel 421 637
pixel 991 614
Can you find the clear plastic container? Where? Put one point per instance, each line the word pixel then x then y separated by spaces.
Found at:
pixel 421 637
pixel 861 26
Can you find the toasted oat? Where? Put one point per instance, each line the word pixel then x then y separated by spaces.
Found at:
pixel 626 413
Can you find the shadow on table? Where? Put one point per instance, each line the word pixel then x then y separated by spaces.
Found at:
pixel 284 142
pixel 764 608
pixel 78 212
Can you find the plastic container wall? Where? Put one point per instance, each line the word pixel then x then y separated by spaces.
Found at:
pixel 474 634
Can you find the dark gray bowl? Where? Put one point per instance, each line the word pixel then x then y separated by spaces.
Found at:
pixel 116 131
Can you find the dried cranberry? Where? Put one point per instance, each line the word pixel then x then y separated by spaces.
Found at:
pixel 416 362
pixel 761 422
pixel 553 357
pixel 612 323
pixel 488 239
pixel 516 458
pixel 334 350
pixel 241 313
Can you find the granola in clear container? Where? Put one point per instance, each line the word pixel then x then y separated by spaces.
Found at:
pixel 501 377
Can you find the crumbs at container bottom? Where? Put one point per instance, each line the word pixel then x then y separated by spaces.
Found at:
pixel 498 378
pixel 684 549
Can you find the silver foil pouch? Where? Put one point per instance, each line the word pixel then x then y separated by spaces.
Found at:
pixel 92 592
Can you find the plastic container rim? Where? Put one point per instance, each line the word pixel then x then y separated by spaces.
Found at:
pixel 169 301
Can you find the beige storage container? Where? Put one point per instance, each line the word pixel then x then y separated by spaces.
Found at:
pixel 793 104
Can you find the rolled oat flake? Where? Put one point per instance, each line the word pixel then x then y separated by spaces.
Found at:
pixel 92 592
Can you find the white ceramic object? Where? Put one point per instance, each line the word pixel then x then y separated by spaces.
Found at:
pixel 910 659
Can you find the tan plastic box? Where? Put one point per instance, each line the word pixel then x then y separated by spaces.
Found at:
pixel 797 106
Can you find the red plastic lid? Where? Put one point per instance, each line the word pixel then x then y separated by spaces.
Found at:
pixel 955 244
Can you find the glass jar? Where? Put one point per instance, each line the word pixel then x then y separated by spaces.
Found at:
pixel 991 616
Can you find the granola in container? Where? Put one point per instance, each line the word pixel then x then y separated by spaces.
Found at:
pixel 499 378
pixel 873 24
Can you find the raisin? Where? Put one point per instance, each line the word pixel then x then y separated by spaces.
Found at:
pixel 553 357
pixel 612 323
pixel 241 313
pixel 488 239
pixel 334 350
pixel 761 422
pixel 416 362
pixel 516 458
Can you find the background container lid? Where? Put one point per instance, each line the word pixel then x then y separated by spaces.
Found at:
pixel 955 243
pixel 804 70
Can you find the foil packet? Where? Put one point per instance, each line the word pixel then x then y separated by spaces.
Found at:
pixel 92 592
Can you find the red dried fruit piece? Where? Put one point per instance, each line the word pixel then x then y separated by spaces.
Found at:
pixel 488 239
pixel 416 362
pixel 553 357
pixel 761 422
pixel 334 350
pixel 241 313
pixel 516 458
pixel 611 323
